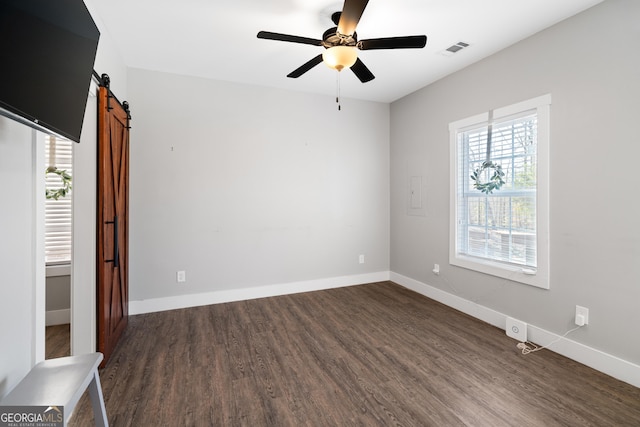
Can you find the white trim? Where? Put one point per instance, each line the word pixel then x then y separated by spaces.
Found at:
pixel 596 359
pixel 469 121
pixel 83 247
pixel 540 276
pixel 530 104
pixel 58 317
pixel 230 295
pixel 38 248
pixel 58 270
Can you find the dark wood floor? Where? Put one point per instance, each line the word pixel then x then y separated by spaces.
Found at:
pixel 371 355
pixel 58 342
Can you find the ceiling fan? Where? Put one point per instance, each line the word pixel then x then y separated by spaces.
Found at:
pixel 342 41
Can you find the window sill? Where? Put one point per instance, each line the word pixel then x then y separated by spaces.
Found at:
pixel 55 270
pixel 537 278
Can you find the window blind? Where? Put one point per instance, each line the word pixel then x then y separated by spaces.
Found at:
pixel 58 213
pixel 500 226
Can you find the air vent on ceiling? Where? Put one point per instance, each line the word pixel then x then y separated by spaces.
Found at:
pixel 454 48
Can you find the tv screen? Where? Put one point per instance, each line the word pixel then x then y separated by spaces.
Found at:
pixel 47 52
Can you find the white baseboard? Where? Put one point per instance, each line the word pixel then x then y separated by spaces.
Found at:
pixel 217 297
pixel 58 270
pixel 596 359
pixel 58 317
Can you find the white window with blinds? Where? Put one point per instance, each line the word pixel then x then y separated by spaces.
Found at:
pixel 502 231
pixel 58 154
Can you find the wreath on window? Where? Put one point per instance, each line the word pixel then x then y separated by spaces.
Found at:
pixel 66 183
pixel 495 181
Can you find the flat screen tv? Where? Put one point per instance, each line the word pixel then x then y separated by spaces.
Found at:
pixel 47 52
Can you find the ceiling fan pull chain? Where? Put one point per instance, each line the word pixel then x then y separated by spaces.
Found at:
pixel 338 90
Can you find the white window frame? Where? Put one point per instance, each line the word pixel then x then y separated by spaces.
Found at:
pixel 540 276
pixel 59 213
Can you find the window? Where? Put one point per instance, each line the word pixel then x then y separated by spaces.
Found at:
pixel 503 232
pixel 58 153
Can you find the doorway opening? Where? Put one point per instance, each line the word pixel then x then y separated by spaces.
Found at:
pixel 58 245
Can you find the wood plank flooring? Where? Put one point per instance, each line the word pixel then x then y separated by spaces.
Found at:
pixel 57 341
pixel 370 355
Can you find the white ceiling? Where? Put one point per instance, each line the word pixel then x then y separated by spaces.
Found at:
pixel 217 38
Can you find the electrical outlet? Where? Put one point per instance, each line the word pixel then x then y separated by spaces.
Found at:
pixel 582 316
pixel 516 329
pixel 361 259
pixel 181 276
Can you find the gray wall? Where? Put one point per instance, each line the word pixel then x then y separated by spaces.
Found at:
pixel 593 74
pixel 243 186
pixel 58 293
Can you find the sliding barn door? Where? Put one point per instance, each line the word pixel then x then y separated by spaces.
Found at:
pixel 113 222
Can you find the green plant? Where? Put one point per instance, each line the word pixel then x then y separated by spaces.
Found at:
pixel 66 183
pixel 495 181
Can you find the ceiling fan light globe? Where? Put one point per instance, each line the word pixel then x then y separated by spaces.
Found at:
pixel 339 57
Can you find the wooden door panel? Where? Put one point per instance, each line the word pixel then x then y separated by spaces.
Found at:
pixel 113 222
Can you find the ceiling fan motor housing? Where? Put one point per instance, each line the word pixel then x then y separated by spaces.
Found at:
pixel 332 38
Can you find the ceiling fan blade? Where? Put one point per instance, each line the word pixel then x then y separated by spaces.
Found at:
pixel 408 42
pixel 351 13
pixel 288 38
pixel 362 72
pixel 335 18
pixel 305 67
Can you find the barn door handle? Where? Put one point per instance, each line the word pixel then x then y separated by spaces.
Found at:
pixel 116 249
